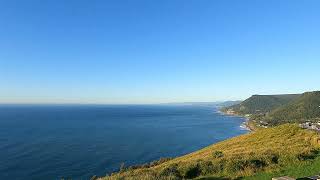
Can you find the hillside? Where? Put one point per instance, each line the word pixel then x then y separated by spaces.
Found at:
pixel 268 150
pixel 258 104
pixel 305 107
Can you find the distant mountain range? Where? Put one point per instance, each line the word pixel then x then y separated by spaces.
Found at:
pixel 226 104
pixel 277 109
pixel 219 104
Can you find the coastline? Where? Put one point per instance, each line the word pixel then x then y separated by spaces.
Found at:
pixel 250 125
pixel 247 124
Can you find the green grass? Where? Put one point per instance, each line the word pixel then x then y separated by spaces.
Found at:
pixel 304 169
pixel 281 150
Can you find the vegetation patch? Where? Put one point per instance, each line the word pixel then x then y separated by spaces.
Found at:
pixel 217 154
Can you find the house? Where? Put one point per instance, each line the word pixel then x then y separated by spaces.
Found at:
pixel 310 125
pixel 230 111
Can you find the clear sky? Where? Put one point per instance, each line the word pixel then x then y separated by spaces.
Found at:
pixel 134 51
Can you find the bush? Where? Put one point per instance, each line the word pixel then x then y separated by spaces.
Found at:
pixel 234 165
pixel 309 155
pixel 171 170
pixel 271 157
pixel 254 163
pixel 208 167
pixel 190 171
pixel 217 154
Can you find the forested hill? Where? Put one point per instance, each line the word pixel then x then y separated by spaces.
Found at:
pixel 261 103
pixel 279 109
pixel 305 107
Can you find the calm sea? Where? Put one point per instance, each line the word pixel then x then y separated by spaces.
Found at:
pixel 78 141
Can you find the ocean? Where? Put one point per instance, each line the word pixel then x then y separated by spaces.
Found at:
pixel 78 141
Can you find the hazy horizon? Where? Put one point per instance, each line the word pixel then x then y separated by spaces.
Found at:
pixel 150 52
pixel 139 103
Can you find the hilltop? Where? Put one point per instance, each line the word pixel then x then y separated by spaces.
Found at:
pixel 272 151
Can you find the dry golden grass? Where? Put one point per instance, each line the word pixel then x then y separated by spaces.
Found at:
pixel 263 150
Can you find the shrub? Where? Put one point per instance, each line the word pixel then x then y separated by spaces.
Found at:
pixel 190 171
pixel 217 154
pixel 256 163
pixel 240 164
pixel 309 155
pixel 234 165
pixel 271 157
pixel 208 167
pixel 171 170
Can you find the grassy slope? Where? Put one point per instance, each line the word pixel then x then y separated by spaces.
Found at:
pixel 267 150
pixel 307 106
pixel 262 103
pixel 304 169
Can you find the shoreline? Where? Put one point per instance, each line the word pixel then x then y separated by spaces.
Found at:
pixel 245 125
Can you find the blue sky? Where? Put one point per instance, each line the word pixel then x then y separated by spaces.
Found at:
pixel 156 51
